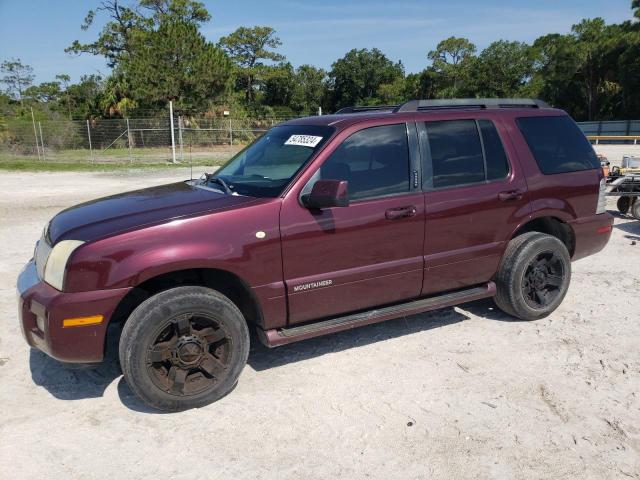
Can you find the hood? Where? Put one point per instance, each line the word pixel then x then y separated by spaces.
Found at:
pixel 126 211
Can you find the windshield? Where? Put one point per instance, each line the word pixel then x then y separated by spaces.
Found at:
pixel 265 168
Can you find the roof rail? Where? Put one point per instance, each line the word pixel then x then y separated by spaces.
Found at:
pixel 465 103
pixel 371 108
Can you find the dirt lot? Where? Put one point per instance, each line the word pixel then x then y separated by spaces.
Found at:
pixel 459 393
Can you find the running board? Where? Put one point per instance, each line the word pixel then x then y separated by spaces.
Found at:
pixel 281 336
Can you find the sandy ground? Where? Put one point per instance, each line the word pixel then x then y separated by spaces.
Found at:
pixel 459 393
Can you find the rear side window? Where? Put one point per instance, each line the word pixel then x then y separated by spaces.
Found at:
pixel 460 156
pixel 375 162
pixel 456 152
pixel 497 163
pixel 557 144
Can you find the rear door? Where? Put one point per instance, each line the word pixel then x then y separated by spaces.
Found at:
pixel 339 260
pixel 475 195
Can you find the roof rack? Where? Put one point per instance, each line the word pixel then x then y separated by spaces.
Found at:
pixel 371 108
pixel 466 103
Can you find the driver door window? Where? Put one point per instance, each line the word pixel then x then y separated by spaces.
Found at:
pixel 375 162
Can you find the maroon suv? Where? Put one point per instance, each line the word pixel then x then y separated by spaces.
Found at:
pixel 323 224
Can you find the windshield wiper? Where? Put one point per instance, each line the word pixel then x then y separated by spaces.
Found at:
pixel 219 181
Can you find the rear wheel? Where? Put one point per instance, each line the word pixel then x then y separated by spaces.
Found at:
pixel 623 205
pixel 533 277
pixel 184 348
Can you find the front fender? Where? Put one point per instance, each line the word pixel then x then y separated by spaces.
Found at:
pixel 225 241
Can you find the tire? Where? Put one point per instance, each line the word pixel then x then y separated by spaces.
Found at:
pixel 533 276
pixel 635 208
pixel 184 348
pixel 623 205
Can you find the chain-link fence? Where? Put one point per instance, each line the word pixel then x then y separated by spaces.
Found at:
pixel 196 138
pixel 137 140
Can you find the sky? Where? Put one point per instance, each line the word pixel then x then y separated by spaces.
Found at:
pixel 313 32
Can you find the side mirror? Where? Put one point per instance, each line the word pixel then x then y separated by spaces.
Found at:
pixel 327 194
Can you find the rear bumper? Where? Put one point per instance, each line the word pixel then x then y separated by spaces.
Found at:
pixel 591 234
pixel 78 344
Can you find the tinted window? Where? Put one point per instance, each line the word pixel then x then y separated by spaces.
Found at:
pixel 456 152
pixel 496 158
pixel 558 144
pixel 374 161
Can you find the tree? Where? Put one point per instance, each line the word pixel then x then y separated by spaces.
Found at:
pixel 421 86
pixel 46 92
pixel 301 90
pixel 635 5
pixel 86 97
pixel 503 69
pixel 310 86
pixel 452 59
pixel 280 85
pixel 627 71
pixel 186 11
pixel 64 80
pixel 17 77
pixel 175 62
pixel 248 48
pixel 115 41
pixel 357 77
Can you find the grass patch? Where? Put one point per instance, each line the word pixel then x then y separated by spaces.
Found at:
pixel 29 164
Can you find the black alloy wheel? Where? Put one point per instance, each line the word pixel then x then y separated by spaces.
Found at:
pixel 542 280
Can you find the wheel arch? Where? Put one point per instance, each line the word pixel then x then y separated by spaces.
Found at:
pixel 225 282
pixel 551 225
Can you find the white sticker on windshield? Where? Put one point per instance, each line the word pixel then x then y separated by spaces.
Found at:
pixel 303 140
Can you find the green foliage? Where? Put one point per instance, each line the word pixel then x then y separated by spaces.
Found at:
pixel 453 60
pixel 175 62
pixel 502 69
pixel 592 72
pixel 116 40
pixel 17 77
pixel 301 89
pixel 359 76
pixel 249 48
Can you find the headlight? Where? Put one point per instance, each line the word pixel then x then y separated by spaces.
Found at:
pixel 57 262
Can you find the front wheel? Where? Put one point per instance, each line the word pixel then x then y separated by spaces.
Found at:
pixel 184 348
pixel 533 276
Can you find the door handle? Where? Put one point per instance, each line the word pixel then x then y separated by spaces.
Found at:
pixel 510 195
pixel 401 212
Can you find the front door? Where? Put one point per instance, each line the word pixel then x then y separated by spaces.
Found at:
pixel 344 259
pixel 475 196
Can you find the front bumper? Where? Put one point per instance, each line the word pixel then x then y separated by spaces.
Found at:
pixel 592 234
pixel 79 344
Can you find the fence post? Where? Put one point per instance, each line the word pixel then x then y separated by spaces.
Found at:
pixel 129 142
pixel 44 156
pixel 230 133
pixel 180 138
pixel 173 136
pixel 319 111
pixel 35 132
pixel 90 146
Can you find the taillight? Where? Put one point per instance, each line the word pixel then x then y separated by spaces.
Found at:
pixel 602 197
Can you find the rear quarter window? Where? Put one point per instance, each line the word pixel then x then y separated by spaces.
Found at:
pixel 557 144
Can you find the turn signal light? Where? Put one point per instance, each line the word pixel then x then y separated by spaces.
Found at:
pixel 82 321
